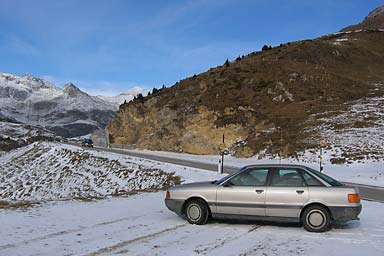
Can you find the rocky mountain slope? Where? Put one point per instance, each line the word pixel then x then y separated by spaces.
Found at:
pixel 374 20
pixel 67 111
pixel 290 98
pixel 15 135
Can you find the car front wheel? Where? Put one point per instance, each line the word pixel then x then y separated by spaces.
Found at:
pixel 316 219
pixel 196 212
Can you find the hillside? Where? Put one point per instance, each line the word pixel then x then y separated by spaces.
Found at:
pixel 51 171
pixel 374 20
pixel 15 135
pixel 277 101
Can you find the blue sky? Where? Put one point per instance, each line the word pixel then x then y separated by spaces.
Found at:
pixel 106 47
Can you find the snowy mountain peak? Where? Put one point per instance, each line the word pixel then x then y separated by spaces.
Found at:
pixel 71 86
pixel 71 90
pixel 67 111
pixel 25 82
pixel 35 82
pixel 8 77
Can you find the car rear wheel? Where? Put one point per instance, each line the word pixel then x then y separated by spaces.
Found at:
pixel 196 212
pixel 316 219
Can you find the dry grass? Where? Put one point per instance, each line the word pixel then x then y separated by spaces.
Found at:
pixel 17 204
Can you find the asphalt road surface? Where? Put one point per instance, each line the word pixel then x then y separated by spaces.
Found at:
pixel 367 192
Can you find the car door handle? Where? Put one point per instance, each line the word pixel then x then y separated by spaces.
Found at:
pixel 299 192
pixel 259 191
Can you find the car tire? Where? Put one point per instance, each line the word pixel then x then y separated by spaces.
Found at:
pixel 316 218
pixel 196 212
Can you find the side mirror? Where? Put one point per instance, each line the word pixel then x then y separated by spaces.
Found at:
pixel 227 184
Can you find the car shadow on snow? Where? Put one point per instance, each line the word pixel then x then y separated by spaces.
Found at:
pixel 255 222
pixel 335 225
pixel 346 225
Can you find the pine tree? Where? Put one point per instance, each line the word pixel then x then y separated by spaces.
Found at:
pixel 140 97
pixel 265 47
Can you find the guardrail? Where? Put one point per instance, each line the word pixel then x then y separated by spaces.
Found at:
pixel 122 146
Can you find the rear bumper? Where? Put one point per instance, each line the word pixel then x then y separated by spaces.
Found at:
pixel 341 213
pixel 175 205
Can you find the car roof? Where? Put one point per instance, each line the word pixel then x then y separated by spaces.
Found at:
pixel 276 165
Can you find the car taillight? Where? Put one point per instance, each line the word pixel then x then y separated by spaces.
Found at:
pixel 168 195
pixel 353 198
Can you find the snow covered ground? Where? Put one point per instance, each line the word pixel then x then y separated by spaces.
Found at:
pixel 140 224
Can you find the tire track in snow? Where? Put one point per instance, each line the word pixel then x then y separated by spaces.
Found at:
pixel 184 238
pixel 112 248
pixel 69 231
pixel 213 246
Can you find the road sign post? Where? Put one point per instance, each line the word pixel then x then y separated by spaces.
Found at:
pixel 321 154
pixel 221 161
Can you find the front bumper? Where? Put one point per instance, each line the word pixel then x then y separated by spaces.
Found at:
pixel 175 205
pixel 342 213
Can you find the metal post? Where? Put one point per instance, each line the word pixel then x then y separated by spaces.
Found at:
pixel 222 156
pixel 281 144
pixel 321 159
pixel 321 155
pixel 107 138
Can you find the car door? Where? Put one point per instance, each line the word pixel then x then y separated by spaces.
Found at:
pixel 286 193
pixel 244 193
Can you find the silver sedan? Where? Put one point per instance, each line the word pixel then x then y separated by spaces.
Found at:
pixel 284 193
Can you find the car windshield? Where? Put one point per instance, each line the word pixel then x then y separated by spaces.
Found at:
pixel 329 180
pixel 227 177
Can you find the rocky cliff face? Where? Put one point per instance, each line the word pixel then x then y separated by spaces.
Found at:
pixel 281 100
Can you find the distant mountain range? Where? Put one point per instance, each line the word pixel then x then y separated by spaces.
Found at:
pixel 282 100
pixel 123 97
pixel 67 111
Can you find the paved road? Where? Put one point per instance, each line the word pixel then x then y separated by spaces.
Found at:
pixel 372 193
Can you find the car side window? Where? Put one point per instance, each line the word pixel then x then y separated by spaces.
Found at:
pixel 286 178
pixel 310 180
pixel 252 177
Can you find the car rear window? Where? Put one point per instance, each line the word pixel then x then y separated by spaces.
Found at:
pixel 310 180
pixel 329 180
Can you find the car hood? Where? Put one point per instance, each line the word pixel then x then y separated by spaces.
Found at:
pixel 196 185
